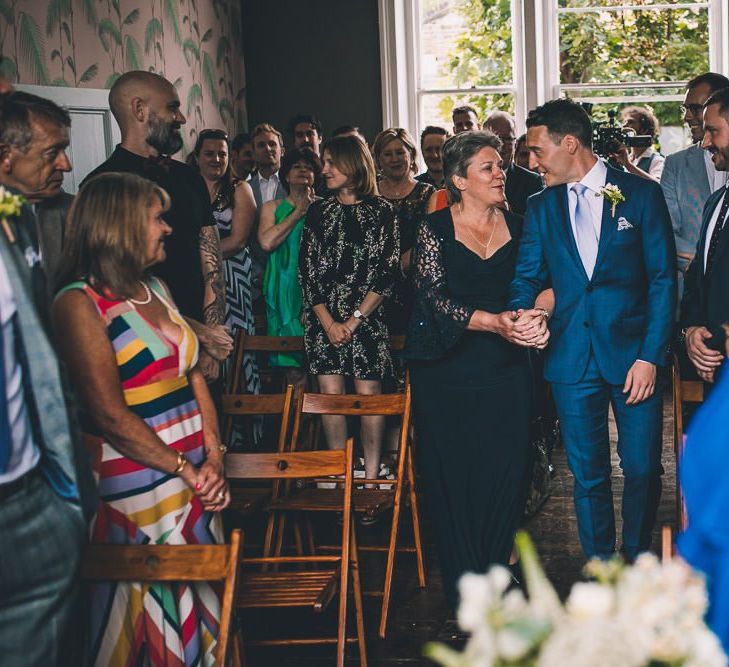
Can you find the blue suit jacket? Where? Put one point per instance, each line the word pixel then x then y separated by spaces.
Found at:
pixel 626 311
pixel 686 188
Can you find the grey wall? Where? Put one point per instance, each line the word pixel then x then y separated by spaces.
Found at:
pixel 315 56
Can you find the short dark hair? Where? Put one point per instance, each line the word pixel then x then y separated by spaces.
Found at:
pixel 715 81
pixel 648 122
pixel 18 109
pixel 458 152
pixel 561 117
pixel 346 129
pixel 240 140
pixel 720 97
pixel 433 129
pixel 465 108
pixel 291 157
pixel 215 135
pixel 305 118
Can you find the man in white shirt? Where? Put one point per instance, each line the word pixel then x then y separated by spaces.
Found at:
pixel 267 150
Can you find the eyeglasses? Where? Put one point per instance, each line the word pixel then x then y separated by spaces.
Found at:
pixel 695 109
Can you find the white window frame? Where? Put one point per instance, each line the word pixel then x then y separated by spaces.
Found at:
pixel 535 70
pixel 402 90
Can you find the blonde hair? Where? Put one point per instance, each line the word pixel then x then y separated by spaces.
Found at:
pixel 353 158
pixel 266 127
pixel 390 134
pixel 106 232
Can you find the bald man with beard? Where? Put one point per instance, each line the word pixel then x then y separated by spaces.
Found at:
pixel 147 108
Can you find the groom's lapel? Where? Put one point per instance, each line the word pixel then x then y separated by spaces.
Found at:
pixel 609 224
pixel 565 226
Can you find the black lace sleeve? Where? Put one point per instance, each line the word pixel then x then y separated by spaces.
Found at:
pixel 438 320
pixel 310 270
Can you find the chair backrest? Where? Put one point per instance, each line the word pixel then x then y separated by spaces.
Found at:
pixel 358 405
pixel 258 404
pixel 397 343
pixel 179 563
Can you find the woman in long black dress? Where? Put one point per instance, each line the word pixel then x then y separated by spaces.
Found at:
pixel 350 249
pixel 469 364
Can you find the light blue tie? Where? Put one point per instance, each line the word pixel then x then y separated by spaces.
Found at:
pixel 585 234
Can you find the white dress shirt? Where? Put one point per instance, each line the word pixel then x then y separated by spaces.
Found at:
pixel 594 181
pixel 710 229
pixel 24 455
pixel 657 163
pixel 268 187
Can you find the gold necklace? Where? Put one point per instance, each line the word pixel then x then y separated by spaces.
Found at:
pixel 488 243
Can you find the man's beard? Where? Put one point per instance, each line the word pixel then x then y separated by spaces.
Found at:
pixel 165 137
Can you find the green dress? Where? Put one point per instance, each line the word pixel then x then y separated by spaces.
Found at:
pixel 281 288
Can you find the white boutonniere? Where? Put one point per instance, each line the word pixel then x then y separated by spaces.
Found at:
pixel 613 194
pixel 10 206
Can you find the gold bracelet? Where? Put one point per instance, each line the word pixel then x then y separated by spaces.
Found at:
pixel 181 463
pixel 220 447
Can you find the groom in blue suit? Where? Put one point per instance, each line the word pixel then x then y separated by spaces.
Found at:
pixel 603 240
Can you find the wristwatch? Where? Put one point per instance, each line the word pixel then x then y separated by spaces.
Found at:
pixel 359 315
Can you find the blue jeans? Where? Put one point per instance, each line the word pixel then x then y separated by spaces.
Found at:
pixel 583 414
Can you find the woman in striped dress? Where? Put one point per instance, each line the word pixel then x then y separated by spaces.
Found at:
pixel 149 423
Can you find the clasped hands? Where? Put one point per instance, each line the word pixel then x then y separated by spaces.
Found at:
pixel 527 328
pixel 209 484
pixel 340 333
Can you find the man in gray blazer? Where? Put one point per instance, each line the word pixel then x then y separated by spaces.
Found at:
pixel 689 176
pixel 46 488
pixel 267 150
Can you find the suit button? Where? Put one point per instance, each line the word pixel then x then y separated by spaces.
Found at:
pixel 586 325
pixel 589 288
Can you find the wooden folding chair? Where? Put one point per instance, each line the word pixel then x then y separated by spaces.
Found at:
pixel 684 391
pixel 369 501
pixel 316 586
pixel 172 563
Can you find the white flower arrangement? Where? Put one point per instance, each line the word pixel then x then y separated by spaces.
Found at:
pixel 613 194
pixel 645 615
pixel 10 206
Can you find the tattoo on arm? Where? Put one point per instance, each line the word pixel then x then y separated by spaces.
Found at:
pixel 212 266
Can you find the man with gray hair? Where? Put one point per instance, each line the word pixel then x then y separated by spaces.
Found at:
pixel 520 183
pixel 46 489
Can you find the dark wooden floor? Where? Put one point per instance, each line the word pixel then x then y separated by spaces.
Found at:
pixel 419 616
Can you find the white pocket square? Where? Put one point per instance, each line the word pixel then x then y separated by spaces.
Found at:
pixel 624 224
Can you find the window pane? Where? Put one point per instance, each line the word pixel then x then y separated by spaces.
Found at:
pixel 630 45
pixel 465 43
pixel 436 109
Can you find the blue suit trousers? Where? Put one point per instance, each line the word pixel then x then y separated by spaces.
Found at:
pixel 583 414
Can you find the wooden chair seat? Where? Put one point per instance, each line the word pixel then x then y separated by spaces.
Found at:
pixel 368 501
pixel 315 589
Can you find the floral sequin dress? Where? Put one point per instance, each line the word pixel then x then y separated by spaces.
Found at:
pixel 347 251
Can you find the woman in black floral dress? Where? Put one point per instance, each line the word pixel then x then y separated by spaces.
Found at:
pixel 396 160
pixel 350 251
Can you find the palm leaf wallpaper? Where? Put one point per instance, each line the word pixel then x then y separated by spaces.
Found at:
pixel 196 44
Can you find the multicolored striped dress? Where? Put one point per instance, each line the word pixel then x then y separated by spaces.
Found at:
pixel 158 624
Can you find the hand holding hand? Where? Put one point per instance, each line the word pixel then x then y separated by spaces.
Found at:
pixel 209 366
pixel 339 334
pixel 703 358
pixel 213 491
pixel 215 340
pixel 640 382
pixel 707 377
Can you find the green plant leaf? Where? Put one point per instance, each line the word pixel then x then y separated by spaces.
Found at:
pixel 117 9
pixel 222 50
pixel 158 48
pixel 53 16
pixel 89 73
pixel 177 83
pixel 8 69
pixel 59 82
pixel 131 17
pixel 196 29
pixel 31 48
pixel 7 12
pixel 132 53
pixel 71 64
pixel 193 96
pixel 151 33
pixel 191 51
pixel 170 7
pixel 225 109
pixel 66 31
pixel 89 10
pixel 108 30
pixel 208 35
pixel 209 76
pixel 111 80
pixel 56 55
